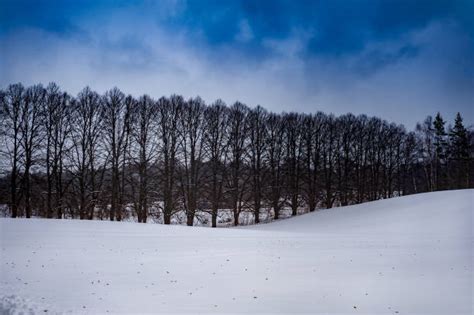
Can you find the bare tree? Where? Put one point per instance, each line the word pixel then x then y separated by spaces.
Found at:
pixel 215 141
pixel 11 115
pixel 293 145
pixel 191 149
pixel 328 159
pixel 144 128
pixel 311 137
pixel 237 136
pixel 86 133
pixel 256 151
pixel 30 128
pixel 56 128
pixel 116 116
pixel 93 156
pixel 345 126
pixel 274 158
pixel 425 134
pixel 360 144
pixel 169 115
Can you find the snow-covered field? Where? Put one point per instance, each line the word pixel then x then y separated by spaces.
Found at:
pixel 403 255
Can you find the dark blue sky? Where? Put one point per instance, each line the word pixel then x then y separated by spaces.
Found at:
pixel 400 60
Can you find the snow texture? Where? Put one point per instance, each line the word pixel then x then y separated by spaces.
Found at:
pixel 14 305
pixel 406 255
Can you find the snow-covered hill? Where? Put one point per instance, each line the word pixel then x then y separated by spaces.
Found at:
pixel 404 255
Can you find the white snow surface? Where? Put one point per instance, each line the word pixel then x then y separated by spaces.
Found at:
pixel 406 255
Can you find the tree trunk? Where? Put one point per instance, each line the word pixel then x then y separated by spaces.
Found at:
pixel 27 192
pixel 190 219
pixel 167 218
pixel 214 217
pixel 14 206
pixel 256 212
pixel 236 217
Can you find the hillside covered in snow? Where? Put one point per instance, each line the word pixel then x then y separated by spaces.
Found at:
pixel 403 255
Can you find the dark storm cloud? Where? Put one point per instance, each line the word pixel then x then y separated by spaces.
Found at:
pixel 398 59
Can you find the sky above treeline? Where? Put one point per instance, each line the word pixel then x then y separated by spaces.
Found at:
pixel 399 60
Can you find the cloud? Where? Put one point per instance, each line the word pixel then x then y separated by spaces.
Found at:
pixel 245 33
pixel 401 78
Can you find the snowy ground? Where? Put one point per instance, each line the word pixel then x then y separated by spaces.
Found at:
pixel 403 255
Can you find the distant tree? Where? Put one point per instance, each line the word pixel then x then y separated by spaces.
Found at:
pixel 360 159
pixel 237 144
pixel 293 159
pixel 312 142
pixel 274 160
pixel 376 141
pixel 191 155
pixel 30 128
pixel 440 144
pixel 409 165
pixel 56 128
pixel 11 116
pixel 85 155
pixel 392 158
pixel 345 127
pixel 216 144
pixel 94 156
pixel 143 131
pixel 256 152
pixel 169 115
pixel 116 122
pixel 426 149
pixel 328 151
pixel 459 148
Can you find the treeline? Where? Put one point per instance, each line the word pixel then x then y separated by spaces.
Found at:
pixel 113 156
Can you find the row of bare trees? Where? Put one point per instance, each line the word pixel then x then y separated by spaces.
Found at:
pixel 114 156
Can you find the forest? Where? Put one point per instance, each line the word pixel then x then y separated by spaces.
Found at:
pixel 171 160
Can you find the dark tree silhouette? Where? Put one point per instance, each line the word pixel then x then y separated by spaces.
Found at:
pixel 216 144
pixel 124 158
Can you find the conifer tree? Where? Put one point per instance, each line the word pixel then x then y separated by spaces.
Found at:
pixel 440 144
pixel 459 149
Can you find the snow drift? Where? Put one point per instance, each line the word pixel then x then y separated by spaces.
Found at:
pixel 403 255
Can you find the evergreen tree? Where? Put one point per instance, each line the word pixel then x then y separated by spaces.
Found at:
pixel 440 137
pixel 459 151
pixel 459 140
pixel 440 144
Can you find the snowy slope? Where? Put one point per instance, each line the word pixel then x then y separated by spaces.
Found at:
pixel 404 255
